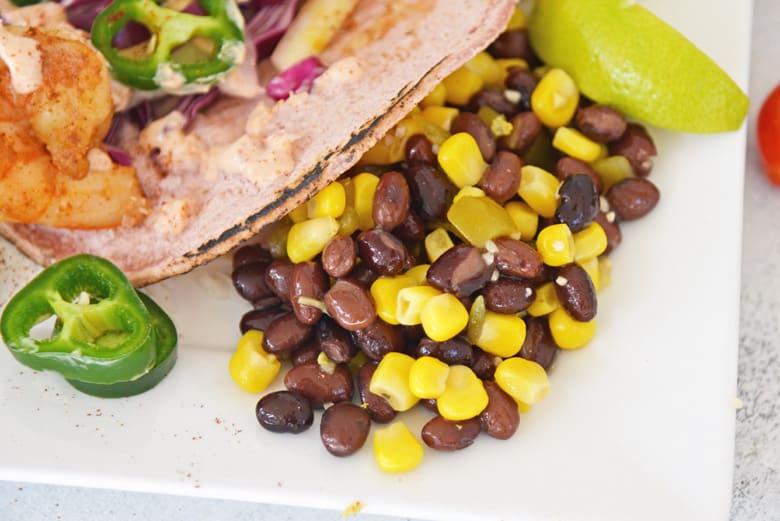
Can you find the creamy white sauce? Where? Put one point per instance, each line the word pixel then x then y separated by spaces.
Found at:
pixel 98 160
pixel 23 59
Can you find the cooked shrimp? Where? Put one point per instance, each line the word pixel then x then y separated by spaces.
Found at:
pixel 48 136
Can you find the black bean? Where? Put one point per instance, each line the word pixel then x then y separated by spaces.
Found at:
pixel 320 386
pixel 412 229
pixel 484 364
pixel 455 351
pixel 502 178
pixel 461 270
pixel 249 254
pixel 609 223
pixel 508 296
pixel 344 428
pixel 339 256
pixel 526 128
pixel 377 406
pixel 431 190
pixel 391 200
pixel 512 44
pixel 277 278
pixel 363 275
pixel 308 281
pixel 259 319
pixel 419 150
pixel 579 202
pixel 378 339
pixel 539 345
pixel 442 434
pixel 472 124
pixel 576 292
pixel 335 341
pixel 633 198
pixel 350 305
pixel 501 417
pixel 249 281
pixel 569 166
pixel 517 258
pixel 523 81
pixel 284 411
pixel 601 123
pixel 494 99
pixel 307 353
pixel 384 253
pixel 638 147
pixel 285 334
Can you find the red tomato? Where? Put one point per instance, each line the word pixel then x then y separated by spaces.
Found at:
pixel 769 135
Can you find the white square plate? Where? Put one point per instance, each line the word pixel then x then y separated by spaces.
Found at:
pixel 639 425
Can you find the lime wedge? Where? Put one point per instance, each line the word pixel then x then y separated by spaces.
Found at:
pixel 621 54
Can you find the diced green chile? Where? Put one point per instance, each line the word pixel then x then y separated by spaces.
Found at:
pixel 167 341
pixel 104 333
pixel 170 31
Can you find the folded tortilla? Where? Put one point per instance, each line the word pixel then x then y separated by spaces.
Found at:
pixel 245 163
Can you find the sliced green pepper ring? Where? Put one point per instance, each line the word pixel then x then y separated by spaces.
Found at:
pixel 170 29
pixel 103 333
pixel 167 340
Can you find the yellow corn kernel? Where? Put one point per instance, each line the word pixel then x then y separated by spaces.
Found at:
pixel 396 449
pixel 365 186
pixel 306 239
pixel 497 122
pixel 523 380
pixel 525 218
pixel 326 364
pixel 499 334
pixel 391 381
pixel 590 242
pixel 349 222
pixel 555 244
pixel 480 219
pixel 572 142
pixel 384 291
pixel 461 160
pixel 328 202
pixel 612 170
pixel 437 97
pixel 441 116
pixel 545 301
pixel 468 191
pixel 464 395
pixel 428 377
pixel 569 333
pixel 391 148
pixel 518 20
pixel 411 301
pixel 251 367
pixel 419 273
pixel 486 67
pixel 461 85
pixel 591 267
pixel 443 317
pixel 299 214
pixel 436 243
pixel 539 189
pixel 555 98
pixel 605 272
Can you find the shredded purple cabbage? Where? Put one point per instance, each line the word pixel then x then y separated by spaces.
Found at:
pixel 268 23
pixel 119 155
pixel 300 76
pixel 81 13
pixel 190 106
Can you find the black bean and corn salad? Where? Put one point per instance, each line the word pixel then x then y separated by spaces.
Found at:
pixel 447 269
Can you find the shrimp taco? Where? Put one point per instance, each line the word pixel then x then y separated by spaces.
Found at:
pixel 162 135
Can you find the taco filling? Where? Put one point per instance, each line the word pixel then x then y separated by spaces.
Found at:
pixel 162 135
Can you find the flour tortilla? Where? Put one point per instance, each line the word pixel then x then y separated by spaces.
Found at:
pixel 246 163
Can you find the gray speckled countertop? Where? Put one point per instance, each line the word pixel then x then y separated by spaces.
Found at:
pixel 757 457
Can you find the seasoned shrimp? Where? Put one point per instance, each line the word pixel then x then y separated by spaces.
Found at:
pixel 48 136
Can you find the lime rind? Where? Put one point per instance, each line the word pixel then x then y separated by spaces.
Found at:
pixel 622 55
